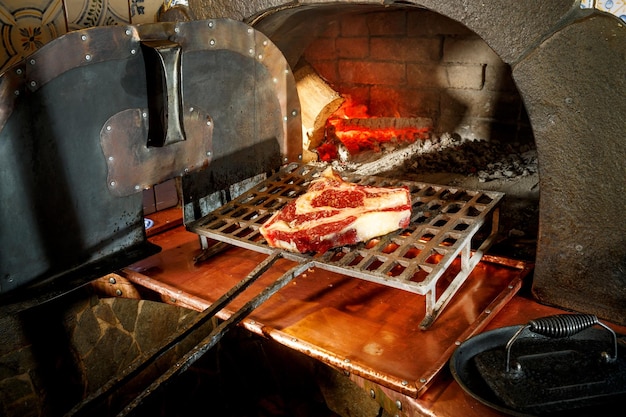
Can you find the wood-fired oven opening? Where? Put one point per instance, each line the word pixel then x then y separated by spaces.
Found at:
pixel 407 92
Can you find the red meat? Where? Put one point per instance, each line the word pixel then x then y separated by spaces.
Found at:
pixel 336 213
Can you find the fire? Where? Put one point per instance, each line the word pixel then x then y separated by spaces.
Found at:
pixel 352 126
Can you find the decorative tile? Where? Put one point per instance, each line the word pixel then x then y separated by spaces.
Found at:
pixel 26 25
pixel 89 13
pixel 146 11
pixel 616 7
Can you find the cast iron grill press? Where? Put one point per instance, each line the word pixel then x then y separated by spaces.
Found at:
pixel 556 365
pixel 445 222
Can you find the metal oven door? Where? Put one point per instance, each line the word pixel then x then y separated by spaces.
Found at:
pixel 96 116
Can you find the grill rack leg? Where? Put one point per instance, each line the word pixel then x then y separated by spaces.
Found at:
pixel 434 305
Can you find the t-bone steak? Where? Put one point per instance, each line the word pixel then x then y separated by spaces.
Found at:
pixel 334 213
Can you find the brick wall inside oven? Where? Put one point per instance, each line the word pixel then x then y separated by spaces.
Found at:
pixel 416 63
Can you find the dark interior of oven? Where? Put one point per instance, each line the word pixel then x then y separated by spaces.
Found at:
pixel 486 134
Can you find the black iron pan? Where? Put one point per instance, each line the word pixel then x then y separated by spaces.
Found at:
pixel 564 365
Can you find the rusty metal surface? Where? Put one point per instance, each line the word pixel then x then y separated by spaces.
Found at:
pixel 274 78
pixel 11 88
pixel 132 166
pixel 444 225
pixel 58 220
pixel 90 86
pixel 82 48
pixel 361 327
pixel 253 102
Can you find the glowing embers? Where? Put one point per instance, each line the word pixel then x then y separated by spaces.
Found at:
pixel 352 128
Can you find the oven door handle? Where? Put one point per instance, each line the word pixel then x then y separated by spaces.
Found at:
pixel 162 59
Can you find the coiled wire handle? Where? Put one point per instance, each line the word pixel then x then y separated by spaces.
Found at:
pixel 560 325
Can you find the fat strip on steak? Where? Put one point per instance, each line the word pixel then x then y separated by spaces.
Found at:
pixel 334 213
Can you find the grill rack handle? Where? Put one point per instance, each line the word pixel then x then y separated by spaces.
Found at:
pixel 559 326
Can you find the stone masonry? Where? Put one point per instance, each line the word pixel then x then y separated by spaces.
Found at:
pixel 52 356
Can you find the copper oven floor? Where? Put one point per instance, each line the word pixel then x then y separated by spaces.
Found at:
pixel 364 328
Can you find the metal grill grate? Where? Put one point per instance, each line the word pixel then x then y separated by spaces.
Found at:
pixel 447 223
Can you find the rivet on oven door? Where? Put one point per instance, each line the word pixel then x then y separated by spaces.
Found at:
pixel 212 42
pixel 118 292
pixel 83 37
pixel 112 280
pixel 133 51
pixel 128 32
pixel 176 30
pixel 109 128
pixel 260 57
pixel 251 51
pixel 294 113
pixel 405 383
pixel 211 24
pixel 372 393
pixel 399 404
pixel 32 62
pixel 33 84
pixel 88 57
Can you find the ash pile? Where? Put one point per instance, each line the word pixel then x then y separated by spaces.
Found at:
pixel 449 153
pixel 451 160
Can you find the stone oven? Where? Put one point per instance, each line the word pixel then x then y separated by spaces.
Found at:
pixel 568 66
pixel 537 76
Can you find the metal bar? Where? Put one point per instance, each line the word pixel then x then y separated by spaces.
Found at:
pixel 211 340
pixel 88 404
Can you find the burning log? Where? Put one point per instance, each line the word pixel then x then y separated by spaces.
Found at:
pixel 318 101
pixel 357 135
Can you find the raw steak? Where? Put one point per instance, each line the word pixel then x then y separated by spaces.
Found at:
pixel 336 213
